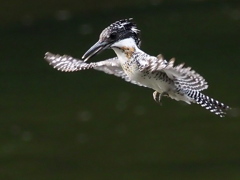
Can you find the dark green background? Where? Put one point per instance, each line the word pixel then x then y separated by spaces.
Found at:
pixel 88 125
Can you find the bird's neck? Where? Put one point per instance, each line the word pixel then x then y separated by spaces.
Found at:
pixel 125 49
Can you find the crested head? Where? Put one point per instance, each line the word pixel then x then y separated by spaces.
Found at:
pixel 120 30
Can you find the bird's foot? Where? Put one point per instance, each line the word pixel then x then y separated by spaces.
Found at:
pixel 157 96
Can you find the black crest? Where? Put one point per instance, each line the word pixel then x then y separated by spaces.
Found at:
pixel 122 29
pixel 125 24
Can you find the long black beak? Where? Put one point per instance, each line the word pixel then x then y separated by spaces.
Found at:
pixel 95 49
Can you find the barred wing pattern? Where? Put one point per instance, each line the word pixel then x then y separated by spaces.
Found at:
pixel 67 63
pixel 183 77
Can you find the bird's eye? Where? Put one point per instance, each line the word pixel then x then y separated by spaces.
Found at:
pixel 113 35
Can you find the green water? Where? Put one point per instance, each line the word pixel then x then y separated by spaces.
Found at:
pixel 88 125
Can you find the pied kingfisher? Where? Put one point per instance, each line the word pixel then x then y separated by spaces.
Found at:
pixel 135 66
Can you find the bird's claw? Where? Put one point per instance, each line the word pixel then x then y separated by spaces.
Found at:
pixel 157 96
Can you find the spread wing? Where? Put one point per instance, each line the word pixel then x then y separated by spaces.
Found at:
pixel 184 77
pixel 67 63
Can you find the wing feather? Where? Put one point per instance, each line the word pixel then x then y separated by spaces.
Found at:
pixel 182 76
pixel 185 77
pixel 67 63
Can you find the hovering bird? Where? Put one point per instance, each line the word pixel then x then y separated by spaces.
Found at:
pixel 135 66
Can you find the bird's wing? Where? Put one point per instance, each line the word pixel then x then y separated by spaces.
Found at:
pixel 182 76
pixel 185 76
pixel 67 63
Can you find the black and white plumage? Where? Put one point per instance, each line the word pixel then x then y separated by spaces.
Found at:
pixel 67 63
pixel 135 66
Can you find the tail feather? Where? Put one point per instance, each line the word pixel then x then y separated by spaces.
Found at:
pixel 208 103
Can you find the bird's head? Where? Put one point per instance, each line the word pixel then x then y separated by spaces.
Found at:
pixel 113 35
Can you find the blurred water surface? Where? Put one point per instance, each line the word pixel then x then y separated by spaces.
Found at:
pixel 89 125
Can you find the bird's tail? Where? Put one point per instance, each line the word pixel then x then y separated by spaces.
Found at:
pixel 211 104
